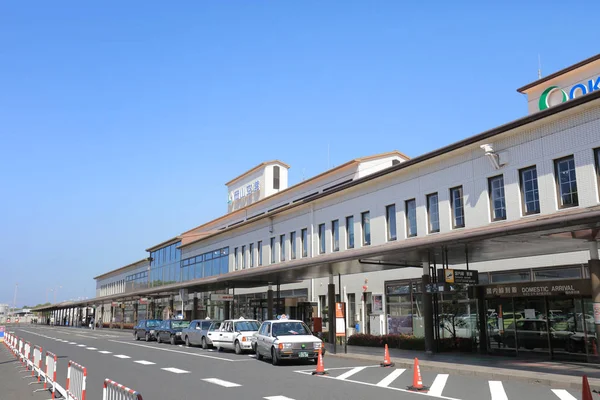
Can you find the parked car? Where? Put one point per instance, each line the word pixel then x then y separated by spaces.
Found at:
pixel 146 329
pixel 235 334
pixel 192 335
pixel 286 339
pixel 213 330
pixel 170 330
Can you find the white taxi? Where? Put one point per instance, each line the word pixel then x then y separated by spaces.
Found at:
pixel 235 334
pixel 286 339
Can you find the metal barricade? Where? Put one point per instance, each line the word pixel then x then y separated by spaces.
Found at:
pixel 20 350
pixel 76 377
pixel 115 391
pixel 27 353
pixel 50 375
pixel 37 362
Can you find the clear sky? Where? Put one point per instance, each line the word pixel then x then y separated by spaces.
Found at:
pixel 120 121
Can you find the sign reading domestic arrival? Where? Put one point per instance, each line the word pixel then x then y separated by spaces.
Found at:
pixel 571 287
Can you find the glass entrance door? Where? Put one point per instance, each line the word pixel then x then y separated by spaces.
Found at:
pixel 568 331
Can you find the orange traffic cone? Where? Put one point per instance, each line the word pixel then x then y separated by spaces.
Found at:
pixel 586 393
pixel 320 367
pixel 417 380
pixel 386 358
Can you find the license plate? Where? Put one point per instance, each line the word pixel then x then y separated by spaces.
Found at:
pixel 303 354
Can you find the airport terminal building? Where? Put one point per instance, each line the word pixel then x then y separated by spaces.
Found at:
pixel 492 238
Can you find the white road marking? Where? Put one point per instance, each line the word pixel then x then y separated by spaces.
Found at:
pixel 187 353
pixel 221 382
pixel 497 390
pixel 91 348
pixel 121 356
pixel 385 382
pixel 176 370
pixel 72 343
pixel 144 362
pixel 81 345
pixel 438 385
pixel 350 373
pixel 563 394
pixel 277 398
pixel 180 345
pixel 105 352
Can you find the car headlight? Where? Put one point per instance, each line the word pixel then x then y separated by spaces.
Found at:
pixel 152 331
pixel 285 346
pixel 178 333
pixel 317 345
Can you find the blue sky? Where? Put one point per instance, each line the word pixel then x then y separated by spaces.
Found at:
pixel 120 122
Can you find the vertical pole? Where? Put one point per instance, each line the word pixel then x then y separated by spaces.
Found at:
pixel 195 307
pixel 331 311
pixel 123 305
pixel 135 312
pixel 427 309
pixel 594 266
pixel 270 303
pixel 233 312
pixel 278 307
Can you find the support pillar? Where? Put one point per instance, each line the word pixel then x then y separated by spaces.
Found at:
pixel 195 307
pixel 594 265
pixel 427 309
pixel 101 319
pixel 112 314
pixel 123 315
pixel 482 316
pixel 278 307
pixel 270 303
pixel 135 313
pixel 171 307
pixel 331 309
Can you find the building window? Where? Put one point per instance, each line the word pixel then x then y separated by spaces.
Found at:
pixel 259 249
pixel 350 232
pixel 282 248
pixel 235 258
pixel 566 182
pixel 458 209
pixel 597 159
pixel 530 198
pixel 243 257
pixel 251 251
pixel 304 239
pixel 276 177
pixel 293 245
pixel 390 219
pixel 321 238
pixel 433 213
pixel 497 200
pixel 411 217
pixel 365 219
pixel 272 250
pixel 335 234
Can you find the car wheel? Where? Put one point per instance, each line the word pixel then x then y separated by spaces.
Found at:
pixel 158 338
pixel 187 341
pixel 258 355
pixel 173 339
pixel 147 337
pixel 136 336
pixel 238 348
pixel 204 344
pixel 274 358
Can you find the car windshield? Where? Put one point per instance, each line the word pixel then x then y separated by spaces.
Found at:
pixel 290 328
pixel 153 323
pixel 181 324
pixel 246 326
pixel 215 326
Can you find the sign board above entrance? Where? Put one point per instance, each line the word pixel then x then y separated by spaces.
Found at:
pixel 221 297
pixel 458 276
pixel 571 287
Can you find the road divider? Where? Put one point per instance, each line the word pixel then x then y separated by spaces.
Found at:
pixel 115 391
pixel 76 380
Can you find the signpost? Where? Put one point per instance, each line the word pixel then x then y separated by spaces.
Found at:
pixel 458 276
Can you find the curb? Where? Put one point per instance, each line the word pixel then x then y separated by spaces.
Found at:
pixel 556 381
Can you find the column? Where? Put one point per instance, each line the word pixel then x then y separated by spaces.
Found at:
pixel 122 315
pixel 135 313
pixel 171 307
pixel 151 316
pixel 594 265
pixel 331 309
pixel 427 309
pixel 112 313
pixel 101 319
pixel 482 316
pixel 270 303
pixel 195 307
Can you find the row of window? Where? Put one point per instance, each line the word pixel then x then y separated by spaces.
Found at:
pixel 112 288
pixel 214 262
pixel 166 255
pixel 135 277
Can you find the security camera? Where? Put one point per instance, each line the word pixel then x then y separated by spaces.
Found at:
pixel 488 148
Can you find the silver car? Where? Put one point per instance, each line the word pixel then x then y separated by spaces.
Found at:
pixel 286 339
pixel 195 334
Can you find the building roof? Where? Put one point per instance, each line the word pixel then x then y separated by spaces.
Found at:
pixel 259 166
pixel 122 268
pixel 561 72
pixel 165 243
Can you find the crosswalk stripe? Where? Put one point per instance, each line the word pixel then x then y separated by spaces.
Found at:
pixel 121 356
pixel 348 374
pixel 91 348
pixel 438 385
pixel 221 382
pixel 105 352
pixel 385 382
pixel 144 362
pixel 563 394
pixel 176 370
pixel 497 390
pixel 277 398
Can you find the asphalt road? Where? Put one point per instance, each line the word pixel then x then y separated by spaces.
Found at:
pixel 163 371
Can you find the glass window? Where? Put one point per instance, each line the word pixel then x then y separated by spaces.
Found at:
pixel 365 219
pixel 530 199
pixel 390 219
pixel 281 247
pixel 243 255
pixel 335 234
pixel 513 276
pixel 304 239
pixel 433 213
pixel 497 200
pixel 272 250
pixel 557 273
pixel 235 258
pixel 458 209
pixel 292 245
pixel 276 177
pixel 350 232
pixel 251 251
pixel 411 217
pixel 321 238
pixel 566 182
pixel 260 256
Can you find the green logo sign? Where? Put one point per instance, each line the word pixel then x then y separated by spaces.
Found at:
pixel 544 97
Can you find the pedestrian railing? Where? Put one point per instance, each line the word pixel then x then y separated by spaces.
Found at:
pixel 115 391
pixel 37 362
pixel 76 377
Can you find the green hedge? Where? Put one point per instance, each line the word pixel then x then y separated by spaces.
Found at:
pixel 408 342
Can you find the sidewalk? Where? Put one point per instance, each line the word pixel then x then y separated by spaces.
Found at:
pixel 563 375
pixel 12 384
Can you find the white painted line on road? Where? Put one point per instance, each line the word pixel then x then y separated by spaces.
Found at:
pixel 187 353
pixel 121 356
pixel 277 398
pixel 105 352
pixel 437 387
pixel 385 382
pixel 176 370
pixel 144 362
pixel 221 382
pixel 497 390
pixel 81 345
pixel 91 348
pixel 350 373
pixel 331 369
pixel 72 343
pixel 563 394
